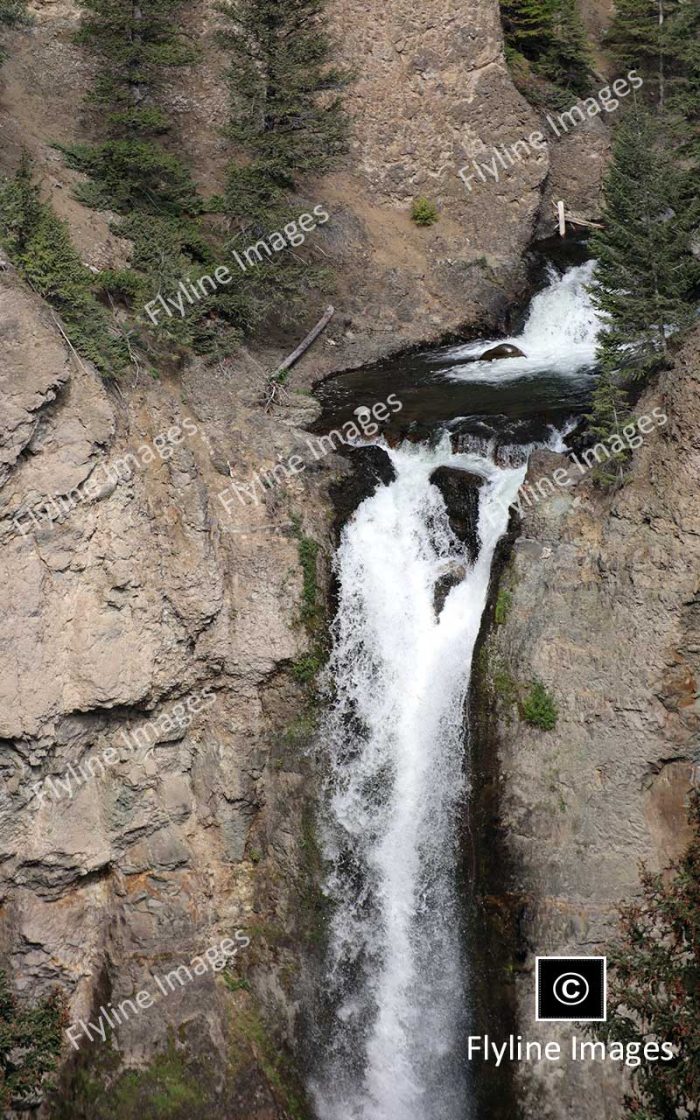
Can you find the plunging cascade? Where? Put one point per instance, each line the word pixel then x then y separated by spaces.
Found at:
pixel 396 982
pixel 395 740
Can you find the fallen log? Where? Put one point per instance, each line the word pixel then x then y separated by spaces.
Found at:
pixel 274 386
pixel 305 343
pixel 572 218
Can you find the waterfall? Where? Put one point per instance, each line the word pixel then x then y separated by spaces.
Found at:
pixel 559 335
pixel 394 736
pixel 395 990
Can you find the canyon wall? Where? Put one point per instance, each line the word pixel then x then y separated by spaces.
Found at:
pixel 599 602
pixel 133 841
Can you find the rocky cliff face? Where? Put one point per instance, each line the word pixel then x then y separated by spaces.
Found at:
pixel 132 841
pixel 601 597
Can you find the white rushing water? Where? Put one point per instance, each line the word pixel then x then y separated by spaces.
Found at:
pixel 396 985
pixel 559 335
pixel 395 739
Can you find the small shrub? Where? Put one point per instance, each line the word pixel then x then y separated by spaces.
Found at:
pixel 306 668
pixel 235 983
pixel 424 212
pixel 133 176
pixel 122 283
pixel 311 613
pixel 539 709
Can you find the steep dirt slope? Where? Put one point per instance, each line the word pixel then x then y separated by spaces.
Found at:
pixel 430 92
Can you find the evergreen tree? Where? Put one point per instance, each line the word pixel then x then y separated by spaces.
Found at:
pixel 646 273
pixel 529 26
pixel 661 39
pixel 681 44
pixel 287 112
pixel 288 120
pixel 654 986
pixel 571 65
pixel 610 413
pixel 135 41
pixel 133 173
pixel 550 36
pixel 633 37
pixel 41 248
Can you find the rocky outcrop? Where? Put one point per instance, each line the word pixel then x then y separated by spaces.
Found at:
pixel 460 491
pixel 369 468
pixel 152 717
pixel 602 607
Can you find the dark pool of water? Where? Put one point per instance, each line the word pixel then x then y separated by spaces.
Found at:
pixel 520 410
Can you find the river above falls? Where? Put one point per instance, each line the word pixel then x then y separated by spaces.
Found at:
pixel 511 400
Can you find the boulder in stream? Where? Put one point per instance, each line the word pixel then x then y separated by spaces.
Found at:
pixel 460 489
pixel 503 350
pixel 454 575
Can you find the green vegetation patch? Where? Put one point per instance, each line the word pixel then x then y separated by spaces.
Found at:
pixel 252 1044
pixel 168 1088
pixel 424 212
pixel 546 40
pixel 40 246
pixel 30 1046
pixel 539 709
pixel 504 601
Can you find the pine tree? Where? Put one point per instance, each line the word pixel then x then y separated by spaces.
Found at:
pixel 646 273
pixel 287 112
pixel 40 246
pixel 529 26
pixel 135 41
pixel 654 986
pixel 133 173
pixel 661 39
pixel 570 66
pixel 550 35
pixel 633 37
pixel 681 44
pixel 287 117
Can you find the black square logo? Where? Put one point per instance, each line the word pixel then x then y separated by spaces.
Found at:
pixel 570 989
